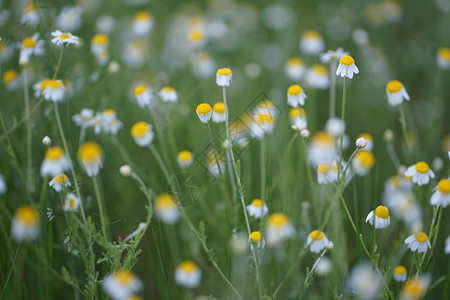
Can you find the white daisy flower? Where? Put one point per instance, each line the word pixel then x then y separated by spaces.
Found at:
pixel 69 19
pixel 59 182
pixel 335 127
pixel 364 282
pixel 418 242
pixel 142 133
pixel 40 86
pixel 361 143
pixel 255 239
pixel 415 288
pixel 294 68
pixel 312 43
pixel 204 112
pixel 263 124
pixel 330 55
pixel 324 267
pixel 30 14
pixel 420 173
pixel 219 114
pixel 143 95
pixel 166 208
pixel 185 158
pixel 11 80
pixel 296 114
pixel 31 46
pixel 54 90
pixel 203 65
pixel 296 96
pixel 72 203
pixel 322 148
pixel 441 196
pixel 317 241
pixel 257 209
pixel 325 174
pixel 168 94
pixel 99 43
pixel 55 162
pixel 379 217
pixel 90 156
pixel 317 77
pixel 110 123
pixel 188 274
pixel 223 77
pixel 347 67
pixel 362 162
pixel 121 284
pixel 400 273
pixel 61 38
pixel 278 228
pixel 396 92
pixel 143 23
pixel 135 54
pixel 25 224
pixel 85 118
pixel 443 58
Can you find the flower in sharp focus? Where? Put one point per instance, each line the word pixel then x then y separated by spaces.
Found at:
pixel 364 282
pixel 166 208
pixel 219 114
pixel 31 46
pixel 420 173
pixel 441 195
pixel 278 228
pixel 204 112
pixel 185 158
pixel 188 274
pixel 143 95
pixel 317 77
pixel 168 94
pixel 223 77
pixel 418 242
pixel 121 284
pixel 400 273
pixel 443 58
pixel 61 38
pixel 396 92
pixel 72 203
pixel 361 143
pixel 312 43
pixel 379 217
pixel 54 90
pixel 257 209
pixel 296 96
pixel 415 288
pixel 59 182
pixel 363 161
pixel 142 133
pixel 142 23
pixel 317 241
pixel 347 67
pixel 263 123
pixel 90 156
pixel 55 162
pixel 369 139
pixel 25 224
pixel 330 55
pixel 294 68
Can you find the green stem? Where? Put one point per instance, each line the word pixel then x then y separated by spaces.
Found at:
pixel 9 273
pixel 211 141
pixel 332 104
pixel 344 96
pixel 262 162
pixel 100 208
pixel 404 128
pixel 160 162
pixel 29 183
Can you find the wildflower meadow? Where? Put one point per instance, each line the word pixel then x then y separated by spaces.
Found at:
pixel 224 149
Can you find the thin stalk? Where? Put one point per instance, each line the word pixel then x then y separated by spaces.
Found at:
pixel 317 260
pixel 29 182
pixel 211 141
pixel 160 161
pixel 100 208
pixel 404 128
pixel 332 104
pixel 348 163
pixel 437 215
pixel 344 94
pixel 262 162
pixel 9 273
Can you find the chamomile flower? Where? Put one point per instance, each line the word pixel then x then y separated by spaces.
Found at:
pixel 278 228
pixel 379 217
pixel 168 94
pixel 396 92
pixel 312 43
pixel 215 167
pixel 363 161
pixel 166 208
pixel 265 107
pixel 30 14
pixel 188 274
pixel 441 196
pixel 420 173
pixel 415 288
pixel 204 112
pixel 323 267
pixel 85 118
pixel 202 64
pixel 135 53
pixel 255 239
pixel 317 77
pixel 70 18
pixel 185 158
pixel 54 90
pixel 364 282
pixel 400 273
pixel 296 96
pixel 121 284
pixel 317 240
pixel 347 67
pixel 257 209
pixel 335 127
pixel 330 55
pixel 61 38
pixel 55 162
pixel 296 114
pixel 369 139
pixel 25 224
pixel 219 114
pixel 40 86
pixel 59 182
pixel 99 43
pixel 11 80
pixel 418 242
pixel 322 148
pixel 262 125
pixel 109 122
pixel 324 174
pixel 443 58
pixel 142 133
pixel 294 68
pixel 196 38
pixel 143 23
pixel 31 46
pixel 90 156
pixel 143 95
pixel 402 203
pixel 72 203
pixel 223 77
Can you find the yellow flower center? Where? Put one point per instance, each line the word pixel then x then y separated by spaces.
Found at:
pixel 90 152
pixel 72 203
pixel 421 237
pixel 143 16
pixel 168 89
pixel 185 155
pixel 264 118
pixel 444 186
pixel 139 89
pixel 29 7
pixel 44 83
pixel 139 129
pixel 100 39
pixel 203 109
pixel 444 53
pixel 422 167
pixel 323 168
pixel 64 36
pixel 54 153
pixel 188 266
pixel 323 138
pixel 278 220
pixel 366 158
pixel 294 90
pixel 9 76
pixel 224 71
pixel 28 42
pixel 294 61
pixel 265 104
pixel 413 287
pixel 394 86
pixel 255 236
pixel 196 35
pixel 257 202
pixel 54 84
pixel 219 107
pixel 400 270
pixel 395 180
pixel 61 178
pixel 319 69
pixel 165 201
pixel 296 112
pixel 366 136
pixel 124 276
pixel 347 60
pixel 27 215
pixel 316 235
pixel 109 112
pixel 311 34
pixel 382 212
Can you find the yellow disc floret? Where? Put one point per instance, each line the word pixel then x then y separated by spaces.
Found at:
pixel 294 90
pixel 257 202
pixel 316 235
pixel 422 167
pixel 124 276
pixel 366 158
pixel 185 155
pixel 168 89
pixel 400 270
pixel 64 36
pixel 143 16
pixel 444 53
pixel 394 86
pixel 54 153
pixel 264 118
pixel 319 69
pixel 444 186
pixel 382 212
pixel 255 236
pixel 9 76
pixel 61 178
pixel 204 109
pixel 224 71
pixel 278 220
pixel 311 34
pixel 295 61
pixel 100 39
pixel 219 107
pixel 139 129
pixel 28 42
pixel 54 84
pixel 90 152
pixel 414 288
pixel 421 237
pixel 27 215
pixel 165 201
pixel 139 89
pixel 188 266
pixel 323 168
pixel 347 60
pixel 196 35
